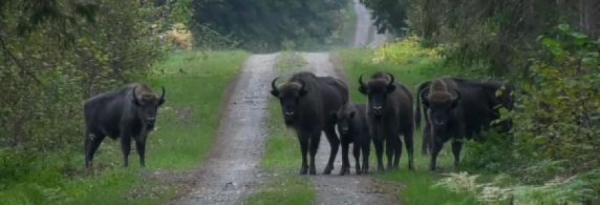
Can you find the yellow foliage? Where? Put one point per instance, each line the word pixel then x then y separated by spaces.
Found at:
pixel 404 52
pixel 180 36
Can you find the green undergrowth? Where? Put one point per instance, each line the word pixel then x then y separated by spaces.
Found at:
pixel 195 83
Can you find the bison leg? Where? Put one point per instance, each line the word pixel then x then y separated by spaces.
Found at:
pixel 390 146
pixel 397 151
pixel 334 142
pixel 315 139
pixel 345 161
pixel 304 149
pixel 437 147
pixel 140 145
pixel 366 149
pixel 356 152
pixel 456 147
pixel 379 152
pixel 408 141
pixel 426 141
pixel 126 148
pixel 92 142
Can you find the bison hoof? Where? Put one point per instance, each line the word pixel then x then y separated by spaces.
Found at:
pixel 358 172
pixel 313 172
pixel 303 170
pixel 328 170
pixel 380 168
pixel 344 170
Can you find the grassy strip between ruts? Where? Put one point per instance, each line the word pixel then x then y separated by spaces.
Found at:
pixel 195 84
pixel 281 158
pixel 419 184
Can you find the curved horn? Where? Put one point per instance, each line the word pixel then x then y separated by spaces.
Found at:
pixel 273 86
pixel 135 99
pixel 301 83
pixel 360 81
pixel 457 95
pixel 162 95
pixel 391 78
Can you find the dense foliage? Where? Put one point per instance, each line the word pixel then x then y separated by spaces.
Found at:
pixel 270 24
pixel 54 55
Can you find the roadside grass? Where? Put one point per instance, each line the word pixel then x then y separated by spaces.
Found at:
pixel 419 183
pixel 195 84
pixel 281 157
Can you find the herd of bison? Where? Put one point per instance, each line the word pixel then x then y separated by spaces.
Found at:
pixel 454 109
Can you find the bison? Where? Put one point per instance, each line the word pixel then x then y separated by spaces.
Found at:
pixel 457 109
pixel 124 114
pixel 353 128
pixel 389 113
pixel 306 102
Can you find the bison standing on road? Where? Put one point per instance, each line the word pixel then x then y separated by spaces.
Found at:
pixel 353 128
pixel 456 109
pixel 125 114
pixel 307 102
pixel 390 113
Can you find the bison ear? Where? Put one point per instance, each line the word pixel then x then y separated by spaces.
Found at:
pixel 352 114
pixel 275 93
pixel 391 88
pixel 362 89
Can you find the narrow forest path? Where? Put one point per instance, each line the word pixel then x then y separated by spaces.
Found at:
pixel 233 167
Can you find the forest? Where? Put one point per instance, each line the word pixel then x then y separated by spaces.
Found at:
pixel 56 54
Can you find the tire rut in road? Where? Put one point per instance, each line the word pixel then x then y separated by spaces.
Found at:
pixel 233 167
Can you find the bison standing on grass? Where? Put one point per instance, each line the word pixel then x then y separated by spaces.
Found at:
pixel 307 101
pixel 457 109
pixel 390 113
pixel 125 114
pixel 353 128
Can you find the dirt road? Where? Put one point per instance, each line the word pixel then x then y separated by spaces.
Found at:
pixel 233 167
pixel 364 26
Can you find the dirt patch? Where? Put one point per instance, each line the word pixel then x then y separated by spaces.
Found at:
pixel 232 168
pixel 348 189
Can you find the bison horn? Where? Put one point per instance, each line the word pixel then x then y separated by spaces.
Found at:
pixel 135 99
pixel 391 78
pixel 302 84
pixel 456 95
pixel 273 86
pixel 162 95
pixel 360 81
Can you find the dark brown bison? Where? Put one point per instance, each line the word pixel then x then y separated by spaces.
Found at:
pixel 353 128
pixel 306 102
pixel 390 113
pixel 124 114
pixel 457 109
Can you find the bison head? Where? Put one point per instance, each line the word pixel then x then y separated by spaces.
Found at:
pixel 441 106
pixel 376 91
pixel 289 95
pixel 147 105
pixel 344 118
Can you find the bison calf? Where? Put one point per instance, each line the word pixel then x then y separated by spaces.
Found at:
pixel 390 113
pixel 124 114
pixel 306 102
pixel 353 128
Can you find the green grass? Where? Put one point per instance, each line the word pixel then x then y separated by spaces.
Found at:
pixel 282 156
pixel 419 183
pixel 195 83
